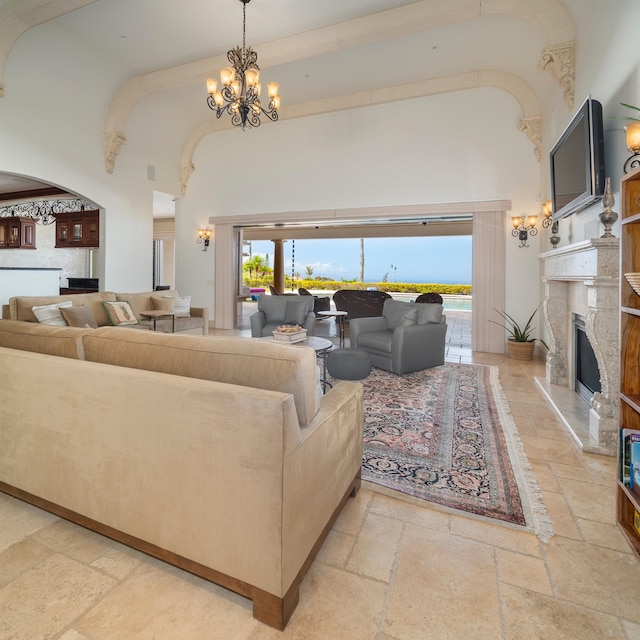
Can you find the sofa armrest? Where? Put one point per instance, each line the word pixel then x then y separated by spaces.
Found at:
pixel 310 323
pixel 201 312
pixel 318 471
pixel 258 320
pixel 362 325
pixel 418 346
pixel 6 312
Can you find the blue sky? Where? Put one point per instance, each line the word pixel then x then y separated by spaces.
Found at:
pixel 443 259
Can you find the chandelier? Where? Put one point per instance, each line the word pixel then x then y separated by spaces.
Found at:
pixel 240 93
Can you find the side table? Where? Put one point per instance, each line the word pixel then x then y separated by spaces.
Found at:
pixel 341 317
pixel 154 315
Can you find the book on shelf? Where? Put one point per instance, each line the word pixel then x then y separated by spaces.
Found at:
pixel 634 462
pixel 625 455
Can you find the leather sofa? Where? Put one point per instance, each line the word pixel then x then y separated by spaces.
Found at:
pixel 407 336
pixel 196 322
pixel 360 303
pixel 214 454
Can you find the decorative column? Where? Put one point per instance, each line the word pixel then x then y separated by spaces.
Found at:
pixel 601 325
pixel 278 265
pixel 555 316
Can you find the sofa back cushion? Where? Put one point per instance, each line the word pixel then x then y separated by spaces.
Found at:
pixel 41 338
pixel 429 312
pixel 285 309
pixel 20 306
pixel 399 314
pixel 241 361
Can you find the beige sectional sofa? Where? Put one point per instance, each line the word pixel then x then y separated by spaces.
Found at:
pixel 215 454
pixel 197 321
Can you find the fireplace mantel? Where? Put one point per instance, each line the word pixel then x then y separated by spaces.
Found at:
pixel 582 279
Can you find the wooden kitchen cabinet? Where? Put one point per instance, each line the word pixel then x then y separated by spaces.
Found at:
pixel 78 229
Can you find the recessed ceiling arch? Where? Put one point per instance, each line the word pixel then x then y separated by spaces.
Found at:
pixel 531 122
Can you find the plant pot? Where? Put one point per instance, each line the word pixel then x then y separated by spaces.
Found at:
pixel 520 350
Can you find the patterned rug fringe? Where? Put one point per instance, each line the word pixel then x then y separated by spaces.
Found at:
pixel 530 493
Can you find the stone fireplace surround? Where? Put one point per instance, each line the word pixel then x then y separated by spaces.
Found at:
pixel 582 278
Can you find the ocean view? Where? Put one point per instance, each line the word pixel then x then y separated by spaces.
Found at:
pixel 441 259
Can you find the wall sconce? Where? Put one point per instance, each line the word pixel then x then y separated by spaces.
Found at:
pixel 204 235
pixel 547 212
pixel 523 227
pixel 633 144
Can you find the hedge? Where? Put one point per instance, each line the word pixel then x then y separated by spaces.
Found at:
pixel 391 287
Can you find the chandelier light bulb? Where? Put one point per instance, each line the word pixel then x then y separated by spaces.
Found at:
pixel 272 89
pixel 212 86
pixel 226 75
pixel 252 76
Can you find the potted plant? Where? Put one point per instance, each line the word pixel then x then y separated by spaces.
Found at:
pixel 520 344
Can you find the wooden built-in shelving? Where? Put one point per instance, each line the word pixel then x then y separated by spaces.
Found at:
pixel 628 501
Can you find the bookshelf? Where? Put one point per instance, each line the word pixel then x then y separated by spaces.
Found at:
pixel 628 500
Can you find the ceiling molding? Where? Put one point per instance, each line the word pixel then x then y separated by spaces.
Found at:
pixel 548 17
pixel 16 16
pixel 512 84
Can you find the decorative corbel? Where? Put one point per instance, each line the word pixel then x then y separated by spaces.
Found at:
pixel 185 173
pixel 532 126
pixel 560 61
pixel 113 141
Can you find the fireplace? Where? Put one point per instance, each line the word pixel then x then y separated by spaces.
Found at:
pixel 581 281
pixel 587 372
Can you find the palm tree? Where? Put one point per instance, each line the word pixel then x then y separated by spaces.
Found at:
pixel 255 264
pixel 308 271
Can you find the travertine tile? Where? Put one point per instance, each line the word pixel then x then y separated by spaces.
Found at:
pixel 590 501
pixel 20 557
pixel 333 604
pixel 159 602
pixel 431 589
pixel 49 597
pixel 603 534
pixel 352 516
pixel 549 450
pixel 595 577
pixel 561 517
pixel 523 571
pixel 19 520
pixel 336 549
pixel 495 535
pixel 76 542
pixel 545 477
pixel 533 616
pixel 375 550
pixel 424 515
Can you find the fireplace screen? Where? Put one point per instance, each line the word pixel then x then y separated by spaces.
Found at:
pixel 587 371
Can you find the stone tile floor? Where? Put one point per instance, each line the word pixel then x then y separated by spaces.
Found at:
pixel 389 570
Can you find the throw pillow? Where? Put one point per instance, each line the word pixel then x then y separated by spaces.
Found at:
pixel 78 317
pixel 50 313
pixel 119 313
pixel 164 303
pixel 429 313
pixel 182 306
pixel 399 314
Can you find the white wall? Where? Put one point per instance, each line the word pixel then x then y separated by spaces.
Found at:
pixel 448 148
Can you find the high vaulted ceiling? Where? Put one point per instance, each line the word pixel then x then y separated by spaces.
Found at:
pixel 326 54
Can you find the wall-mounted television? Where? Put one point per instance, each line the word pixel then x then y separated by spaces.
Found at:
pixel 577 162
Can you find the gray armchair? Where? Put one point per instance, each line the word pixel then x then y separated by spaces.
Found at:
pixel 406 337
pixel 276 310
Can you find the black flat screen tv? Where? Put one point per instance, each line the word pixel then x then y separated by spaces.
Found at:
pixel 577 162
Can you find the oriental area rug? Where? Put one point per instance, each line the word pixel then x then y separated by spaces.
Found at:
pixel 445 435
